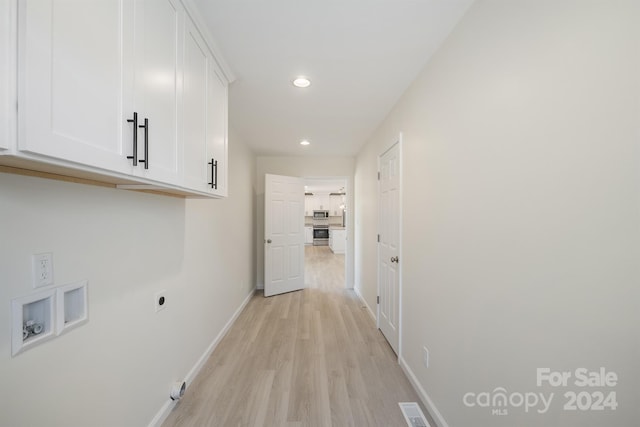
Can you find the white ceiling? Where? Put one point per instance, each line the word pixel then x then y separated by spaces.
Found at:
pixel 360 55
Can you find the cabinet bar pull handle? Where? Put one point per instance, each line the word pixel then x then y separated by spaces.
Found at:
pixel 145 126
pixel 214 174
pixel 215 183
pixel 135 138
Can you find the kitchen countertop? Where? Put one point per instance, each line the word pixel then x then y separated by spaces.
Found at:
pixel 336 227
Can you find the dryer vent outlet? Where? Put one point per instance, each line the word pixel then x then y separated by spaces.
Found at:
pixel 177 391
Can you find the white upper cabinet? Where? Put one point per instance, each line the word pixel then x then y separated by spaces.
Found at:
pixel 309 204
pixel 196 65
pixel 316 202
pixel 71 92
pixel 335 203
pixel 322 201
pixel 7 75
pixel 126 90
pixel 217 127
pixel 205 117
pixel 158 30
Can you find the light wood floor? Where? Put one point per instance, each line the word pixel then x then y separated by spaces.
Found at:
pixel 307 358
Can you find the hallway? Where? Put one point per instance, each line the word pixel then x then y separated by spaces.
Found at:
pixel 306 358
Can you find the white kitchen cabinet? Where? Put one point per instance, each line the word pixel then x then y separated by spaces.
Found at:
pixel 324 201
pixel 337 240
pixel 321 202
pixel 158 56
pixel 309 201
pixel 205 117
pixel 308 235
pixel 7 73
pixel 334 205
pixel 217 135
pixel 88 69
pixel 195 79
pixel 72 92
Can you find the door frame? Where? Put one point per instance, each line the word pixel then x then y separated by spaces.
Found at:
pixel 396 141
pixel 349 273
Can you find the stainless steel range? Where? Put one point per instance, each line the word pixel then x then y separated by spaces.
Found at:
pixel 320 228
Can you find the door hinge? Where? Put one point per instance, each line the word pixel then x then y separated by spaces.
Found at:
pixel 378 299
pixel 378 176
pixel 378 238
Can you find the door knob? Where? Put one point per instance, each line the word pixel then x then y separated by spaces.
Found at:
pixel 268 240
pixel 394 259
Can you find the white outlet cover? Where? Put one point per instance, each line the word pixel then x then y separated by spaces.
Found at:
pixel 425 357
pixel 42 267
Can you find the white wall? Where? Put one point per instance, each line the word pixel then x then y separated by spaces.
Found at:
pixel 304 167
pixel 117 369
pixel 521 208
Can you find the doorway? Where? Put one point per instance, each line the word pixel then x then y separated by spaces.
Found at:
pixel 326 230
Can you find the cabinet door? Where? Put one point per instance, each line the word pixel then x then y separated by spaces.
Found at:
pixel 7 65
pixel 195 104
pixel 309 205
pixel 71 91
pixel 217 129
pixel 159 26
pixel 204 117
pixel 338 241
pixel 323 202
pixel 335 202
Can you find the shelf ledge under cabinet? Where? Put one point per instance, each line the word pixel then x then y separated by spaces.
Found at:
pixel 28 167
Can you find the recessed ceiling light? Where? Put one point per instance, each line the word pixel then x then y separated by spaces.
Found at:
pixel 302 82
pixel 304 142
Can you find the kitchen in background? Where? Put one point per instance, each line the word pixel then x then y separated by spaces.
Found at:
pixel 325 214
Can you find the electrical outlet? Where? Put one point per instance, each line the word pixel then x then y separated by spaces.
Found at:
pixel 425 357
pixel 42 269
pixel 160 300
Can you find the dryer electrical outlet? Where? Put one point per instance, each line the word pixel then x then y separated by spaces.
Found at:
pixel 160 300
pixel 42 269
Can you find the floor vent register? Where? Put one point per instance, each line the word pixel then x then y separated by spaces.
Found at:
pixel 413 414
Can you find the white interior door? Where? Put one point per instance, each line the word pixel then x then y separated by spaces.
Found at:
pixel 388 248
pixel 283 234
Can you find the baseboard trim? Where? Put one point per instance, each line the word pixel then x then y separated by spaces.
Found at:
pixel 373 316
pixel 422 394
pixel 164 412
